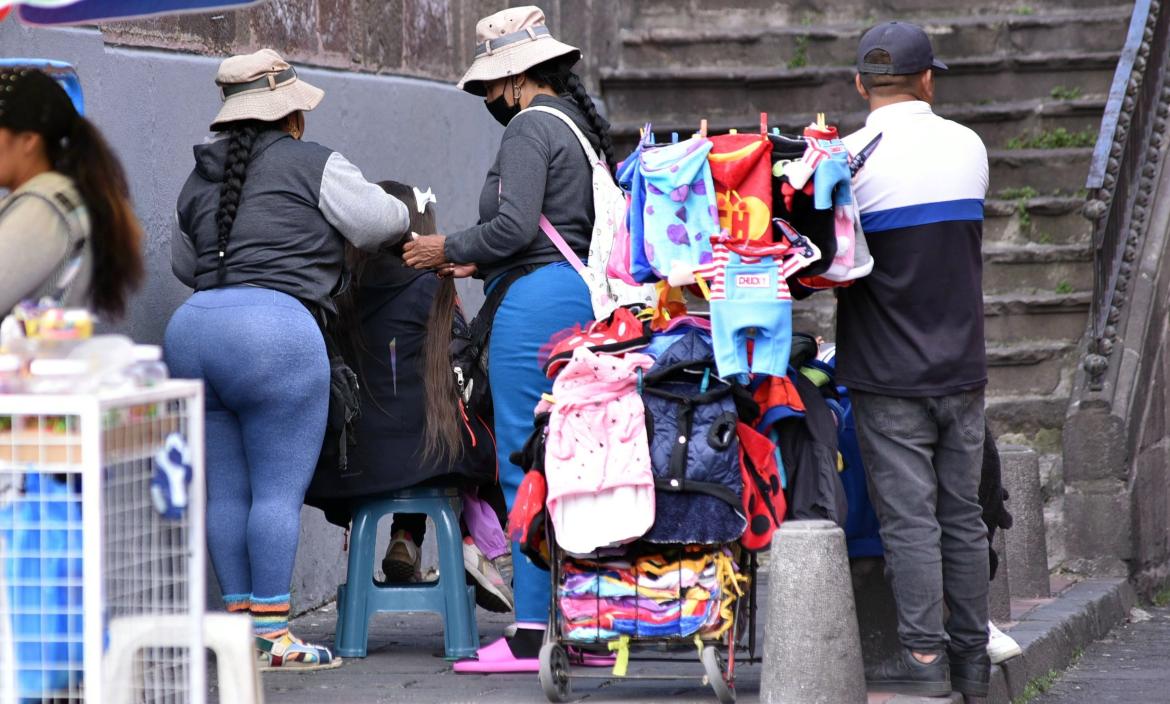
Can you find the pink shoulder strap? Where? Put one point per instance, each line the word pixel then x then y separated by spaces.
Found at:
pixel 561 245
pixel 558 241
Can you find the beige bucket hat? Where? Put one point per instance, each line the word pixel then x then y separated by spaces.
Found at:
pixel 509 43
pixel 261 86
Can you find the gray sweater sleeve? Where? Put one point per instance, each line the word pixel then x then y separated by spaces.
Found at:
pixel 523 168
pixel 361 211
pixel 34 239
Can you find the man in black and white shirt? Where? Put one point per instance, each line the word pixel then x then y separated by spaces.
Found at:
pixel 911 351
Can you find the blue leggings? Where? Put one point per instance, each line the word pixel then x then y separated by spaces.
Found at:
pixel 266 379
pixel 537 305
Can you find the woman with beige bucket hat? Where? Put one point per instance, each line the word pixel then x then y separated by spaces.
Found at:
pixel 262 224
pixel 541 168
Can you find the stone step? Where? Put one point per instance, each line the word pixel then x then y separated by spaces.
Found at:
pixel 792 45
pixel 1044 315
pixel 998 124
pixel 745 13
pixel 1026 414
pixel 1043 170
pixel 1010 317
pixel 1029 367
pixel 1039 267
pixel 665 93
pixel 1042 220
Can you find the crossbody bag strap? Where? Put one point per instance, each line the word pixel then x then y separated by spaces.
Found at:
pixel 561 245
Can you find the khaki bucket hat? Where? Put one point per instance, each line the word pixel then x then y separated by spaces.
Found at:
pixel 509 43
pixel 261 86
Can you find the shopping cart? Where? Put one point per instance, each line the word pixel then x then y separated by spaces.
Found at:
pixel 718 656
pixel 100 528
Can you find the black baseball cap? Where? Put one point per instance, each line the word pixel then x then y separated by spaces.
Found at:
pixel 907 44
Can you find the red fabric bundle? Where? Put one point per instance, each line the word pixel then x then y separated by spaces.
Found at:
pixel 763 497
pixel 741 166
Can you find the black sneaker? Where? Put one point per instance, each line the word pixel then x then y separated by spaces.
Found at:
pixel 906 675
pixel 971 675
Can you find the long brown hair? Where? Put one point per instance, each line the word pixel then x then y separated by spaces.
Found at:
pixel 37 103
pixel 442 437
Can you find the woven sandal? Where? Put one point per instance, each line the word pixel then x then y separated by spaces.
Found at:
pixel 291 653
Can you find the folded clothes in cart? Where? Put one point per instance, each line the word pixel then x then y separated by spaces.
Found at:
pixel 652 597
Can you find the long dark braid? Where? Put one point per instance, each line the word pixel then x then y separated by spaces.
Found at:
pixel 242 137
pixel 558 74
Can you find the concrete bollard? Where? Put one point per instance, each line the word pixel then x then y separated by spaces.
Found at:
pixel 1000 596
pixel 812 650
pixel 1026 543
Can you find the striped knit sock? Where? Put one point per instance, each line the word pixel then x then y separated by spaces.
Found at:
pixel 270 615
pixel 237 603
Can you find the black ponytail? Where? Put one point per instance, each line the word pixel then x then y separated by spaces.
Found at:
pixel 242 135
pixel 600 125
pixel 115 241
pixel 558 74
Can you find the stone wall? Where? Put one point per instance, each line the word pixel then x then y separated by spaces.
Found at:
pixel 1116 439
pixel 423 38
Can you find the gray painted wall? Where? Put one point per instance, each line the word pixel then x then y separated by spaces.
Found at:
pixel 152 106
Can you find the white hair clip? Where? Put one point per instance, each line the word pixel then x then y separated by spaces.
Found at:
pixel 421 198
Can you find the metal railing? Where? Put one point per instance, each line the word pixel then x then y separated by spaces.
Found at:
pixel 1121 176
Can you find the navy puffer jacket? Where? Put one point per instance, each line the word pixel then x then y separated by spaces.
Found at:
pixel 694 451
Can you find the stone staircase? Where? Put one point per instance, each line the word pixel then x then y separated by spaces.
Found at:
pixel 1030 78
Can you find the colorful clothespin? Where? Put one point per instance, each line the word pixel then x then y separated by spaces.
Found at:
pixel 764 124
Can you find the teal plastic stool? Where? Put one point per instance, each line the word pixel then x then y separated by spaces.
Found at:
pixel 360 598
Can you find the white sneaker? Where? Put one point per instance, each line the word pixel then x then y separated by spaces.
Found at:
pixel 1001 646
pixel 491 591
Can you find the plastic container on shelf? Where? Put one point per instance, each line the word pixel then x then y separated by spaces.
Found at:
pixel 10 376
pixel 148 368
pixel 59 376
pixel 109 357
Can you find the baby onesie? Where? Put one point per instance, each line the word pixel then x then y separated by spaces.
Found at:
pixel 750 299
pixel 680 215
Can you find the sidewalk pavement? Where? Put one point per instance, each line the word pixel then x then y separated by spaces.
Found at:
pixel 1129 666
pixel 405 662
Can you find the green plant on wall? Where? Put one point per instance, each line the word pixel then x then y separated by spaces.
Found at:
pixel 1059 138
pixel 800 56
pixel 1065 93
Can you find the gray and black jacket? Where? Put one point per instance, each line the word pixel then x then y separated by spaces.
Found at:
pixel 540 168
pixel 299 200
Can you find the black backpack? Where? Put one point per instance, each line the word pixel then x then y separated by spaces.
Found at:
pixel 469 349
pixel 344 410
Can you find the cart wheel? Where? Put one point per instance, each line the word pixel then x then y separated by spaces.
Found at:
pixel 713 666
pixel 554 673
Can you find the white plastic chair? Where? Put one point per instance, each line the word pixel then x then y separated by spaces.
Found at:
pixel 228 635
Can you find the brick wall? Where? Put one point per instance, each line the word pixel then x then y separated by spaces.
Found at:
pixel 424 38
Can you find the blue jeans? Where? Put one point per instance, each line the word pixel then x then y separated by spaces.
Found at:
pixel 537 306
pixel 266 379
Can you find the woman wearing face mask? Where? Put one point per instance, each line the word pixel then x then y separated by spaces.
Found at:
pixel 540 169
pixel 263 221
pixel 68 229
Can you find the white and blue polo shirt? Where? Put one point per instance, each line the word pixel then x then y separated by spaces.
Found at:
pixel 914 326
